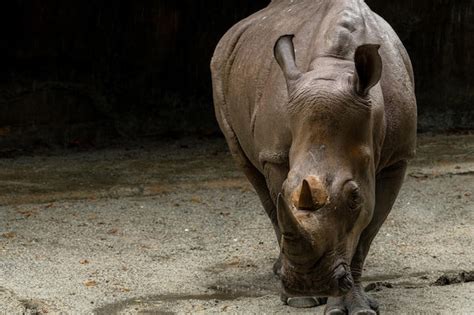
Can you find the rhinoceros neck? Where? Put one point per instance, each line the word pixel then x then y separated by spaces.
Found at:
pixel 321 27
pixel 344 28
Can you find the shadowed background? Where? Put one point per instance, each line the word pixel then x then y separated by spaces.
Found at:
pixel 81 73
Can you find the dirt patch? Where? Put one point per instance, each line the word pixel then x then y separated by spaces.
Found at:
pixel 454 278
pixel 378 286
pixel 170 303
pixel 178 229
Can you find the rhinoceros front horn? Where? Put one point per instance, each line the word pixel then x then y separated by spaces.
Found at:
pixel 287 222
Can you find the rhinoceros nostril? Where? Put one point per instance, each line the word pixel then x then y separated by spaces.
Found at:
pixel 340 271
pixel 343 278
pixel 345 283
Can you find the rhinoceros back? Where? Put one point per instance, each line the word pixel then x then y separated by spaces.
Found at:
pixel 249 88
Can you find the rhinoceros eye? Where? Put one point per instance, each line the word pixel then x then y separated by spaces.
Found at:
pixel 354 198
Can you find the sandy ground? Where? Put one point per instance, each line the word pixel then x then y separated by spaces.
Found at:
pixel 174 227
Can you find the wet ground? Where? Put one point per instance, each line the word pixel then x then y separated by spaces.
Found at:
pixel 174 227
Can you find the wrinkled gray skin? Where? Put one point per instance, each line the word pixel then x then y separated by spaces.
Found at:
pixel 322 121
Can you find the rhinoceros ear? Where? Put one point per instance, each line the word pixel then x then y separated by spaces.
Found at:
pixel 368 64
pixel 284 53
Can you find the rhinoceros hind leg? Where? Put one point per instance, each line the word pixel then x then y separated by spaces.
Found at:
pixel 277 267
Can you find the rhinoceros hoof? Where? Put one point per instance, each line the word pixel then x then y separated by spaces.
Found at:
pixel 356 302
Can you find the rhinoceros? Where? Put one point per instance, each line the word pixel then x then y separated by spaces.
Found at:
pixel 316 102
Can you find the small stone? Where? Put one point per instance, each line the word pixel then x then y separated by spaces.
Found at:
pixel 90 283
pixel 9 235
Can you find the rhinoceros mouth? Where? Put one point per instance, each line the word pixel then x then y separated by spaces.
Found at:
pixel 335 282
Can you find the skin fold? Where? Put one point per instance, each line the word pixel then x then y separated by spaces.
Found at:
pixel 316 101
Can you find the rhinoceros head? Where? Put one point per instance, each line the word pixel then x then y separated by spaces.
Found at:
pixel 327 199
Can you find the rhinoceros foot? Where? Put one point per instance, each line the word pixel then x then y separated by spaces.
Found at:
pixel 355 302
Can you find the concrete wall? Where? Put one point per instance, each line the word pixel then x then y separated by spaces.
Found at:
pixel 77 72
pixel 439 36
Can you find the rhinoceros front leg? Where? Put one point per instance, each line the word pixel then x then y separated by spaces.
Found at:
pixel 251 172
pixel 356 301
pixel 259 183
